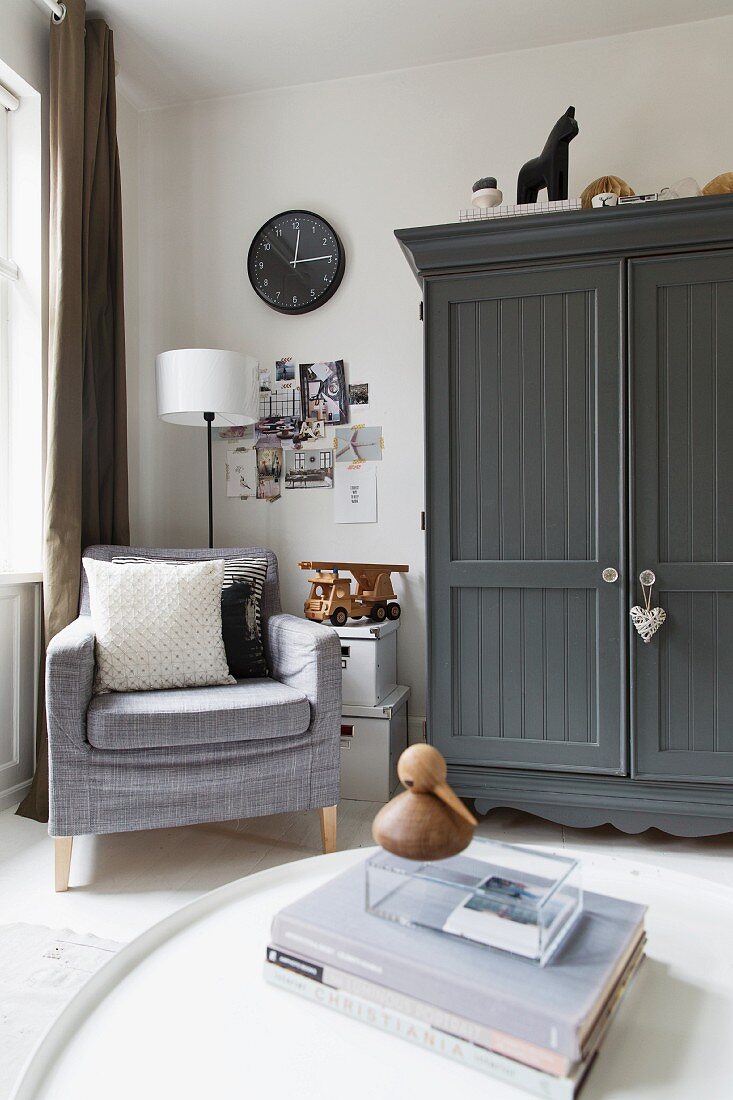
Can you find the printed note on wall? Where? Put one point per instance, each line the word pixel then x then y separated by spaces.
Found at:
pixel 355 493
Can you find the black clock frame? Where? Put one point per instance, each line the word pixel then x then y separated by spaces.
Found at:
pixel 335 282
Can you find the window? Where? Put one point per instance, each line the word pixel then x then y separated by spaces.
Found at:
pixel 21 327
pixel 8 275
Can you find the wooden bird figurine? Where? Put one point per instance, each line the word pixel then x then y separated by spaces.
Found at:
pixel 428 820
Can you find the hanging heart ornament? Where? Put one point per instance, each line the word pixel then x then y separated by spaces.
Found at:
pixel 647 620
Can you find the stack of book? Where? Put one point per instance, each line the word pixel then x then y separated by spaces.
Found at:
pixel 538 1028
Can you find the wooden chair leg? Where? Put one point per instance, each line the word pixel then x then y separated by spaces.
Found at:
pixel 62 861
pixel 328 828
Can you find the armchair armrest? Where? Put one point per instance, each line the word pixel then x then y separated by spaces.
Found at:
pixel 307 656
pixel 69 680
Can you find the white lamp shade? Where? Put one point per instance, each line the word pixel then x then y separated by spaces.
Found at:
pixel 192 381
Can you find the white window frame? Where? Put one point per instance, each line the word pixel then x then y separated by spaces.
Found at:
pixel 22 327
pixel 8 274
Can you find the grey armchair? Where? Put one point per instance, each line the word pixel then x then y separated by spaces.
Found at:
pixel 153 759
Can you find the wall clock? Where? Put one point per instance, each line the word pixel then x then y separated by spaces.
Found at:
pixel 296 262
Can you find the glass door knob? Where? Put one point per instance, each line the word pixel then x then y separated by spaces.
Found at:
pixel 610 575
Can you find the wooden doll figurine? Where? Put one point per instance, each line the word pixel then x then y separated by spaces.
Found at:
pixel 428 820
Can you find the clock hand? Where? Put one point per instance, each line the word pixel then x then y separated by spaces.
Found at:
pixel 295 257
pixel 310 259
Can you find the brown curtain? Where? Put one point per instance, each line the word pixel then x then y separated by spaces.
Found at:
pixel 86 470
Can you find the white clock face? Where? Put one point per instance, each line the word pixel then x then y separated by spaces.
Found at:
pixel 295 262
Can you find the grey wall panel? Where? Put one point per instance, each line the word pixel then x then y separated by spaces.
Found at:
pixel 525 665
pixel 523 432
pixel 525 466
pixel 682 367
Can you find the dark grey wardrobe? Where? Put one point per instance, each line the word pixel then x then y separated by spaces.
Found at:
pixel 579 425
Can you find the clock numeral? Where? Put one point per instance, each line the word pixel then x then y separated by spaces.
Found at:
pixel 267 248
pixel 325 278
pixel 265 283
pixel 296 225
pixel 295 299
pixel 277 294
pixel 324 240
pixel 278 232
pixel 260 265
pixel 313 294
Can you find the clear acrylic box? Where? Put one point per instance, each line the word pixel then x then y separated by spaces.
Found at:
pixel 508 898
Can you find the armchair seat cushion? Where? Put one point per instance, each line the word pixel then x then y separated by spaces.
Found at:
pixel 257 709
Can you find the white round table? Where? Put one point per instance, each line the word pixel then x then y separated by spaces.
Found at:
pixel 183 1011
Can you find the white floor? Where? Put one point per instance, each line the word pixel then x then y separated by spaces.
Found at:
pixel 122 884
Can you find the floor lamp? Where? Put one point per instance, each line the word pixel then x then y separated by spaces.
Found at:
pixel 202 386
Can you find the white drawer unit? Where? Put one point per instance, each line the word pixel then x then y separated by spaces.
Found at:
pixel 372 740
pixel 368 661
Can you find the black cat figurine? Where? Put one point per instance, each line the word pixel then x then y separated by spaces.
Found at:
pixel 550 168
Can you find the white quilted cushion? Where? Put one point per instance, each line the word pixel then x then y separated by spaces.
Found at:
pixel 157 627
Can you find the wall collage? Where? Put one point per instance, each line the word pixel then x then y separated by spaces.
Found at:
pixel 306 438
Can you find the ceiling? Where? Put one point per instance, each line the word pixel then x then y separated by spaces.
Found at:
pixel 174 51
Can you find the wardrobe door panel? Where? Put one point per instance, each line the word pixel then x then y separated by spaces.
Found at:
pixel 682 415
pixel 525 510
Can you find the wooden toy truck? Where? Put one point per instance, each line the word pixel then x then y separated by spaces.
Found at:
pixel 331 596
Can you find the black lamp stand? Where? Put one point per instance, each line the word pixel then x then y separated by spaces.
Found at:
pixel 209 417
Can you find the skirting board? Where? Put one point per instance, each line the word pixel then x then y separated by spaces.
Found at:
pixel 13 797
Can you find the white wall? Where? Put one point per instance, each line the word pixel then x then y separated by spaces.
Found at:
pixel 371 155
pixel 24 41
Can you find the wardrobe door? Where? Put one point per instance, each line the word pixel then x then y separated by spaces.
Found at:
pixel 527 659
pixel 682 377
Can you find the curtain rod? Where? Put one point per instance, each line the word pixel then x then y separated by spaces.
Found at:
pixel 58 11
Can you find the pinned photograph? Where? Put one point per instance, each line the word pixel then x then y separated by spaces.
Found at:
pixel 277 431
pixel 359 393
pixel 265 381
pixel 358 444
pixel 236 431
pixel 280 403
pixel 323 393
pixel 269 473
pixel 241 471
pixel 285 370
pixel 309 469
pixel 311 431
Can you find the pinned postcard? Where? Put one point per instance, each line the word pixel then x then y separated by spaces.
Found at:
pixel 355 494
pixel 323 392
pixel 359 393
pixel 358 444
pixel 285 370
pixel 235 431
pixel 269 473
pixel 241 468
pixel 309 469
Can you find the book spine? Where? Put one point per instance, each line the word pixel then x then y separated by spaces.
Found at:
pixel 529 1021
pixel 422 1035
pixel 547 1061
